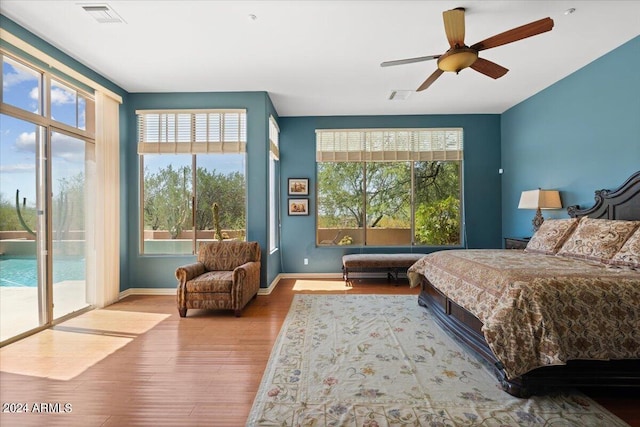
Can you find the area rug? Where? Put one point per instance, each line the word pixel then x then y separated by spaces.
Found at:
pixel 380 360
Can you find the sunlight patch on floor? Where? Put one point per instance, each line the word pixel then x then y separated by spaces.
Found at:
pixel 72 347
pixel 320 285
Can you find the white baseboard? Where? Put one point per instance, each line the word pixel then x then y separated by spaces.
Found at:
pixel 147 291
pixel 261 291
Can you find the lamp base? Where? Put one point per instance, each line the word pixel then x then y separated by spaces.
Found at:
pixel 537 220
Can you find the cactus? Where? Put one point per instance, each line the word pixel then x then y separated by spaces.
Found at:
pixel 216 222
pixel 22 222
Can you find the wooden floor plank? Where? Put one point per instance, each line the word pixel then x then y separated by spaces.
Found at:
pixel 202 370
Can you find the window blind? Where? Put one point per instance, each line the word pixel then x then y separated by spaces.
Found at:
pixel 388 145
pixel 191 131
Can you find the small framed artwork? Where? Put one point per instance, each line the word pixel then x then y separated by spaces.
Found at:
pixel 298 186
pixel 298 206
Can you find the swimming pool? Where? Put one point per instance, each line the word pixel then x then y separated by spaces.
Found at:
pixel 22 272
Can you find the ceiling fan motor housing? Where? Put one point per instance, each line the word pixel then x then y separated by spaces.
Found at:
pixel 457 59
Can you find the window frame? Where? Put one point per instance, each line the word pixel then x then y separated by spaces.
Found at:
pixel 408 146
pixel 274 185
pixel 172 140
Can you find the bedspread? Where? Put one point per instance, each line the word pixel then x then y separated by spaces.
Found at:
pixel 540 310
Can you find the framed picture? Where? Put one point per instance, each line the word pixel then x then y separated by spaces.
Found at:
pixel 298 206
pixel 298 187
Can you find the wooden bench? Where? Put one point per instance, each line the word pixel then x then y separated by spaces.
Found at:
pixel 391 263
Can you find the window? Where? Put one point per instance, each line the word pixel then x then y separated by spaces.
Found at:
pixel 386 187
pixel 22 86
pixel 68 106
pixel 274 187
pixel 189 160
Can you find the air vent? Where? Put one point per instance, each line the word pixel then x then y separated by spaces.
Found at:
pixel 103 13
pixel 399 95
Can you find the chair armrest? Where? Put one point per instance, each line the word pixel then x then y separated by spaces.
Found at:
pixel 187 272
pixel 246 281
pixel 246 269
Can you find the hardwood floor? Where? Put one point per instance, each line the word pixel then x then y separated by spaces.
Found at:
pixel 138 363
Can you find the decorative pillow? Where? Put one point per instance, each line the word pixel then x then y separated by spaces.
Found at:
pixel 629 254
pixel 551 236
pixel 598 239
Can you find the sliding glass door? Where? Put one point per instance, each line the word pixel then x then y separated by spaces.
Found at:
pixel 22 229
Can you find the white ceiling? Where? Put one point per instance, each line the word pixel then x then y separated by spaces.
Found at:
pixel 323 57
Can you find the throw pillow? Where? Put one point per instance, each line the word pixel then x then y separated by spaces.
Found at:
pixel 551 236
pixel 629 254
pixel 598 239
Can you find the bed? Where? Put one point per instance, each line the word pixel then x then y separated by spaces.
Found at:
pixel 559 313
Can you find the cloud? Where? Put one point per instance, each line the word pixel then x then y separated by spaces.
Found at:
pixel 63 146
pixel 67 148
pixel 26 141
pixel 60 96
pixel 18 75
pixel 18 168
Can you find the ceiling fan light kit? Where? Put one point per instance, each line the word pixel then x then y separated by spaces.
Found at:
pixel 460 56
pixel 457 59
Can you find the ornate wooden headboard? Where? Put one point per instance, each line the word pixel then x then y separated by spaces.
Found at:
pixel 622 203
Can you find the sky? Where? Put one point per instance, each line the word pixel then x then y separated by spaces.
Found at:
pixel 21 88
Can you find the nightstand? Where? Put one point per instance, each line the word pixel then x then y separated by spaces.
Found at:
pixel 516 242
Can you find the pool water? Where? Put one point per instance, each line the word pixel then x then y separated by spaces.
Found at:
pixel 22 272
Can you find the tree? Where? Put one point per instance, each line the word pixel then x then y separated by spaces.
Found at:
pixel 342 198
pixel 228 191
pixel 439 222
pixel 436 180
pixel 437 199
pixel 9 220
pixel 341 193
pixel 167 199
pixel 168 193
pixel 68 206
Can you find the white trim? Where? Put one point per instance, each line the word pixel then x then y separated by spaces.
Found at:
pixel 147 291
pixel 261 291
pixel 54 63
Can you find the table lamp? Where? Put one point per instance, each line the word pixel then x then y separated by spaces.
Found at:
pixel 539 199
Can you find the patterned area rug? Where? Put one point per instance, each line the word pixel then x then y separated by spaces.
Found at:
pixel 380 360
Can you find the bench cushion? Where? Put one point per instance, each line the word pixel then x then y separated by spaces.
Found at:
pixel 380 260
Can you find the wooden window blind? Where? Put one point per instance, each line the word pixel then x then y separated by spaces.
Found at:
pixel 388 145
pixel 191 131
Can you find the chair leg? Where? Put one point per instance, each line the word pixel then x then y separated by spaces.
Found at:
pixel 237 312
pixel 182 311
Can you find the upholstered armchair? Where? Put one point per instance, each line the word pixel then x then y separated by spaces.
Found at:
pixel 225 276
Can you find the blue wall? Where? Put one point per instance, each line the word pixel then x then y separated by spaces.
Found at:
pixel 578 135
pixel 158 271
pixel 481 182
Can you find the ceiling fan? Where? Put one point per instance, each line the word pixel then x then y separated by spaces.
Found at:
pixel 460 56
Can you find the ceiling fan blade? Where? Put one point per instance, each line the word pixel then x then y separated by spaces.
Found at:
pixel 515 34
pixel 454 26
pixel 432 78
pixel 489 68
pixel 409 60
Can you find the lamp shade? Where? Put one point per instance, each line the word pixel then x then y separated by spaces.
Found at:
pixel 540 199
pixel 457 59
